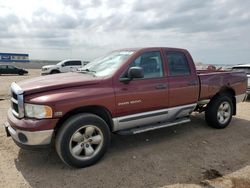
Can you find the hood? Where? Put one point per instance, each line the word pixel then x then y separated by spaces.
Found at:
pixel 57 81
pixel 49 66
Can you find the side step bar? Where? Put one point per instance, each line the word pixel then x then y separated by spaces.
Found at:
pixel 153 127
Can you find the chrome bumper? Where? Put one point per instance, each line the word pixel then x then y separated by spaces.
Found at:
pixel 28 138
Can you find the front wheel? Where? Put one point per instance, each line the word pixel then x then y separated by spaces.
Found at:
pixel 54 72
pixel 219 111
pixel 82 140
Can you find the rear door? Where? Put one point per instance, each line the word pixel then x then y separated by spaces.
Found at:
pixel 182 79
pixel 2 69
pixel 75 65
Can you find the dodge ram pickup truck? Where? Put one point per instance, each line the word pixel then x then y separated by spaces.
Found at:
pixel 128 91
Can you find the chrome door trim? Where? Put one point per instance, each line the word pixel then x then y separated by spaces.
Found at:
pixel 151 117
pixel 145 115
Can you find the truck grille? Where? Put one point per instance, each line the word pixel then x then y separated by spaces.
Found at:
pixel 17 100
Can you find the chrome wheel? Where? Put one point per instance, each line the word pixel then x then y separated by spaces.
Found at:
pixel 224 112
pixel 86 142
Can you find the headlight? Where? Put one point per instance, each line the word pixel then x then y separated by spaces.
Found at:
pixel 37 111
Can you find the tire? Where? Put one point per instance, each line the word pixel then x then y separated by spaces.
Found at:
pixel 54 72
pixel 20 73
pixel 219 111
pixel 78 145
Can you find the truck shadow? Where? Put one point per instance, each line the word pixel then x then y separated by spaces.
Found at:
pixel 248 98
pixel 9 75
pixel 179 154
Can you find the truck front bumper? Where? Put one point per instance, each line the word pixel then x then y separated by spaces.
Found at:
pixel 29 133
pixel 27 139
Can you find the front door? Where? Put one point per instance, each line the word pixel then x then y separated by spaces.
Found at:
pixel 142 101
pixel 12 70
pixel 71 66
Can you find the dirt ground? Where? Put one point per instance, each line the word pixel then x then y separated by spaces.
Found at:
pixel 179 156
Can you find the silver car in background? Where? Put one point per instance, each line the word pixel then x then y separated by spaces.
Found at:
pixel 246 69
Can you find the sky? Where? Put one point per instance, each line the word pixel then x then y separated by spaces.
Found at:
pixel 214 32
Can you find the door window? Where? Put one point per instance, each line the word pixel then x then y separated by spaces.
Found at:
pixel 151 63
pixel 73 63
pixel 3 66
pixel 177 64
pixel 11 67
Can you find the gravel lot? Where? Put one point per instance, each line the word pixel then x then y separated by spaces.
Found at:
pixel 183 154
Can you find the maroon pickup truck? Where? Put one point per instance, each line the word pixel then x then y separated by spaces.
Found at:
pixel 128 91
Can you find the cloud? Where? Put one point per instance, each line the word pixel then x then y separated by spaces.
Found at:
pixel 45 19
pixel 79 5
pixel 210 29
pixel 8 21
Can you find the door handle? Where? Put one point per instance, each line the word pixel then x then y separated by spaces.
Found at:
pixel 161 86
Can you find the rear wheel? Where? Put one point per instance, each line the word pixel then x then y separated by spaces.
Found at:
pixel 82 140
pixel 219 111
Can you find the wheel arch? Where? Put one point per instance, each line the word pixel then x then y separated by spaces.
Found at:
pixel 100 111
pixel 54 70
pixel 226 90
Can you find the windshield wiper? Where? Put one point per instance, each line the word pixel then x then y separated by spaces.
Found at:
pixel 87 71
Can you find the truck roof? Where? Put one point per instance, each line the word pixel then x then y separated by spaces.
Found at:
pixel 152 48
pixel 71 60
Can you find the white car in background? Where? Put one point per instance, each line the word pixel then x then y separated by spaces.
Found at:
pixel 246 69
pixel 69 65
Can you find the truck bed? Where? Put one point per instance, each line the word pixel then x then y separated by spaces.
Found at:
pixel 211 82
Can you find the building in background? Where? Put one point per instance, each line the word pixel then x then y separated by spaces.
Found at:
pixel 13 57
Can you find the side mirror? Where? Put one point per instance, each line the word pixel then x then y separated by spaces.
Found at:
pixel 133 72
pixel 63 65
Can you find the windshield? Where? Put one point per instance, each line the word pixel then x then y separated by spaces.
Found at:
pixel 108 64
pixel 243 69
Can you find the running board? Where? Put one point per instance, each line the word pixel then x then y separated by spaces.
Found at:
pixel 152 127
